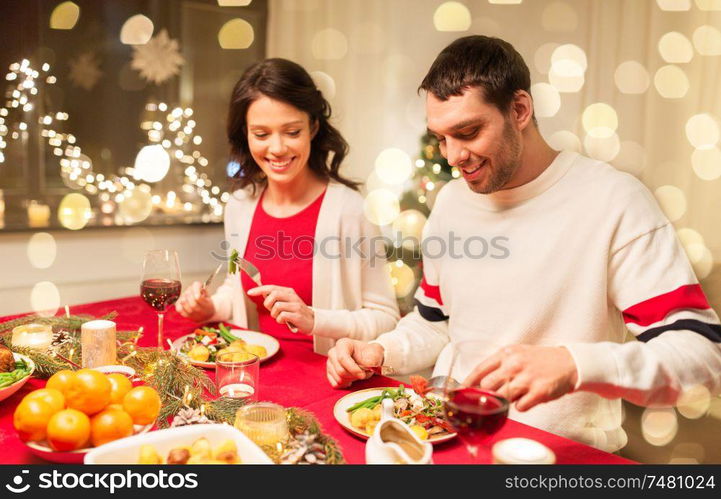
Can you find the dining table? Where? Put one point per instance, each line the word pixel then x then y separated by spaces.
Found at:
pixel 294 377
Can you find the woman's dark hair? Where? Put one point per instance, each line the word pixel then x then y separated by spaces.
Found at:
pixel 489 63
pixel 285 81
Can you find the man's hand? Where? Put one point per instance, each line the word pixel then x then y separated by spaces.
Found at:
pixel 347 360
pixel 195 304
pixel 527 374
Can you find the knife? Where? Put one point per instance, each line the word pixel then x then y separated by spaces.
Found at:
pixel 212 276
pixel 254 274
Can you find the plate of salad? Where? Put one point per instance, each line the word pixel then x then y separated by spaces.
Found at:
pixel 359 412
pixel 203 345
pixel 12 381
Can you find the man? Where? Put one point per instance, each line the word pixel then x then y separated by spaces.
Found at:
pixel 588 250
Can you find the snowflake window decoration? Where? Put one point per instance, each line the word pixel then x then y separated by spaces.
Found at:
pixel 159 59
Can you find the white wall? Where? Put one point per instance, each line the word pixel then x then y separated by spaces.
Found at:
pixel 100 264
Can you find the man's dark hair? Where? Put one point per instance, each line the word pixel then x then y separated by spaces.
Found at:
pixel 480 61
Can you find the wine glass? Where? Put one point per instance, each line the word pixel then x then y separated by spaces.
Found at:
pixel 160 287
pixel 473 412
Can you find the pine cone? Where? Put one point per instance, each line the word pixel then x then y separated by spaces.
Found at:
pixel 188 416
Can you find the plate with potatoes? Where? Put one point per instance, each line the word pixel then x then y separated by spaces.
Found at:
pixel 203 345
pixel 193 444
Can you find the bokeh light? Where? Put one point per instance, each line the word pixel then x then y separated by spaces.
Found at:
pixel 452 16
pixel 674 5
pixel 329 44
pixel 236 34
pixel 708 4
pixel 42 250
pixel 659 426
pixel 600 120
pixel 706 163
pixel 563 140
pixel 381 206
pixel 402 278
pixel 45 299
pixel 602 148
pixel 675 48
pixel 671 82
pixel 152 163
pixel 546 100
pixel 408 228
pixel 137 30
pixel 689 237
pixel 688 453
pixel 136 206
pixel 672 201
pixel 74 211
pixel 234 3
pixel 707 40
pixel 559 17
pixel 701 260
pixel 702 131
pixel 393 166
pixel 631 78
pixel 325 83
pixel 568 67
pixel 694 402
pixel 542 57
pixel 65 16
pixel 373 182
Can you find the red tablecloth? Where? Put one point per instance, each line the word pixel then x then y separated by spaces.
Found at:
pixel 294 377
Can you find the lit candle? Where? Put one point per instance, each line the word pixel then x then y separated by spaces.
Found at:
pixel 35 336
pixel 97 339
pixel 38 214
pixel 522 451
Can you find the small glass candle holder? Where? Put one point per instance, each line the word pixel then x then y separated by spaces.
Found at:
pixel 264 423
pixel 36 336
pixel 97 339
pixel 236 375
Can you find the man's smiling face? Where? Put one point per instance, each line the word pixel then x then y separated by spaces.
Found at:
pixel 476 138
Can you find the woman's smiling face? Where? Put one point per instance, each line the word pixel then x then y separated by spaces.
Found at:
pixel 279 138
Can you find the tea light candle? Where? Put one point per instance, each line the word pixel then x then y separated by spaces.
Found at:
pixel 35 336
pixel 522 451
pixel 38 214
pixel 97 339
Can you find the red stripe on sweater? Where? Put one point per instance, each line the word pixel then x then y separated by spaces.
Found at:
pixel 657 308
pixel 432 291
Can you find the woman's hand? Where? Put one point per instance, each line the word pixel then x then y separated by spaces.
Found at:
pixel 195 304
pixel 286 306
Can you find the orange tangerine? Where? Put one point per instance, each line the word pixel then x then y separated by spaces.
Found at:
pixel 119 386
pixel 50 395
pixel 68 430
pixel 109 425
pixel 143 404
pixel 31 419
pixel 61 380
pixel 89 392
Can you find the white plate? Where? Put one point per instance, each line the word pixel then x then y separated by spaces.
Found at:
pixel 44 451
pixel 270 344
pixel 343 417
pixel 127 450
pixel 10 390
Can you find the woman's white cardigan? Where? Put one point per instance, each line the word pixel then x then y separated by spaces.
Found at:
pixel 352 293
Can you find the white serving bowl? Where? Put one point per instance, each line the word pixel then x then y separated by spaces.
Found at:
pixel 127 450
pixel 10 390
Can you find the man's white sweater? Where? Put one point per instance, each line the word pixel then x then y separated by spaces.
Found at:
pixel 576 257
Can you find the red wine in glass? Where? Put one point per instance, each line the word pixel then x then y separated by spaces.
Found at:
pixel 475 413
pixel 160 284
pixel 160 293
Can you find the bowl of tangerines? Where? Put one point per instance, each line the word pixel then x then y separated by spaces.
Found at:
pixel 78 410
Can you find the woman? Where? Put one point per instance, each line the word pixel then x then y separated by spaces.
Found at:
pixel 297 220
